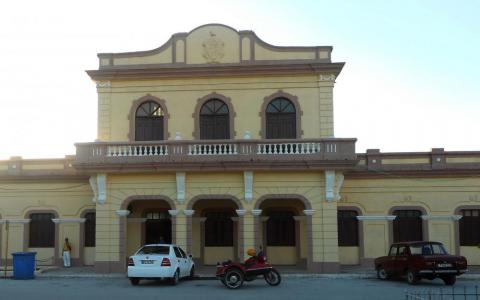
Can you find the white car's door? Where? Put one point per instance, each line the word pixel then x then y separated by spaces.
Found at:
pixel 180 260
pixel 187 261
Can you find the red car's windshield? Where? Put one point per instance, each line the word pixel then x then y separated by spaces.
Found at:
pixel 428 249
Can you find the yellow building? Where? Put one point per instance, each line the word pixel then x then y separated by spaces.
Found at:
pixel 220 142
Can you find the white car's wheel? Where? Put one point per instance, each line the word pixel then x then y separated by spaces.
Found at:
pixel 192 273
pixel 175 278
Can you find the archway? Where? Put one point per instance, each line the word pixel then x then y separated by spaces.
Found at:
pixel 283 229
pixel 149 221
pixel 214 229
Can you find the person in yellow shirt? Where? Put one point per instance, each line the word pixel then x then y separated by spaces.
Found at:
pixel 67 248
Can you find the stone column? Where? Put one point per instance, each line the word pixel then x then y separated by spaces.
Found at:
pixel 173 219
pixel 249 232
pixel 238 233
pixel 201 223
pixel 184 230
pixel 298 240
pixel 262 228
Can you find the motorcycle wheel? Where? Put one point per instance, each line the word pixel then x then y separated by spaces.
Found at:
pixel 223 281
pixel 273 278
pixel 234 279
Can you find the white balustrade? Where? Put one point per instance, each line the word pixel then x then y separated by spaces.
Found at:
pixel 288 148
pixel 137 150
pixel 292 148
pixel 212 149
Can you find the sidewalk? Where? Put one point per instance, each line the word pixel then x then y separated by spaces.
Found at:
pixel 208 272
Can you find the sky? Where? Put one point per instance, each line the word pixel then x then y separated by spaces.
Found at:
pixel 411 80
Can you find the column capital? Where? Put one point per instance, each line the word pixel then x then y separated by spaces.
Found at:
pixel 188 212
pixel 122 212
pixel 173 212
pixel 240 212
pixel 308 212
pixel 256 212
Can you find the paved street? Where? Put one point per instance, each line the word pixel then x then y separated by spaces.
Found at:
pixel 291 288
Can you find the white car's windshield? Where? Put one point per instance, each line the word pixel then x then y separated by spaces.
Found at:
pixel 154 250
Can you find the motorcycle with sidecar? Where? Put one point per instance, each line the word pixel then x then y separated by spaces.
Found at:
pixel 233 274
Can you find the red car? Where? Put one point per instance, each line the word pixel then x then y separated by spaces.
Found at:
pixel 417 260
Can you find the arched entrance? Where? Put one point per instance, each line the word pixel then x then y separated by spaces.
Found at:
pixel 158 227
pixel 283 230
pixel 214 229
pixel 149 222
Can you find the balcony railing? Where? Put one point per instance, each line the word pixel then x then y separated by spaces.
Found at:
pixel 176 153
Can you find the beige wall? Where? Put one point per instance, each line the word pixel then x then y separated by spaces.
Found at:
pixel 437 196
pixel 44 256
pixel 282 255
pixel 20 197
pixel 247 96
pixel 349 255
pixel 213 255
pixel 89 256
pixel 472 254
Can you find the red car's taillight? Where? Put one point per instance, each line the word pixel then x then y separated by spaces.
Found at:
pixel 130 262
pixel 166 262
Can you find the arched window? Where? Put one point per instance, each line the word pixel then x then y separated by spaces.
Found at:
pixel 42 231
pixel 281 119
pixel 407 226
pixel 214 120
pixel 149 119
pixel 90 221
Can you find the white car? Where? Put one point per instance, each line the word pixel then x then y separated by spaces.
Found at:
pixel 160 261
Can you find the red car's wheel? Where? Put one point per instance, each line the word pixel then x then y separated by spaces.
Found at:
pixel 412 277
pixel 449 279
pixel 382 273
pixel 234 278
pixel 273 278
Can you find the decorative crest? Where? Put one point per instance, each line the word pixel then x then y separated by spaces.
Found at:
pixel 213 49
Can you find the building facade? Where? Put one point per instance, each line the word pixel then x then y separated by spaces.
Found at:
pixel 220 142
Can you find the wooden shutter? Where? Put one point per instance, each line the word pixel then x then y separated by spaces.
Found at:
pixel 407 226
pixel 42 231
pixel 347 228
pixel 90 221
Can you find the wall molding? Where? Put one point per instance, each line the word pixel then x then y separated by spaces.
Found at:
pixel 69 220
pixel 376 218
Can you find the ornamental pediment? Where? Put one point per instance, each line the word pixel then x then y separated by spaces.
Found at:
pixel 214 44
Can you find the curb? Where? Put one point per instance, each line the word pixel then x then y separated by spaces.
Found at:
pixel 209 277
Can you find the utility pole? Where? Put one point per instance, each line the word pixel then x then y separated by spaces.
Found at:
pixel 6 249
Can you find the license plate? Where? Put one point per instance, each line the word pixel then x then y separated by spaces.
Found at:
pixel 444 265
pixel 147 262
